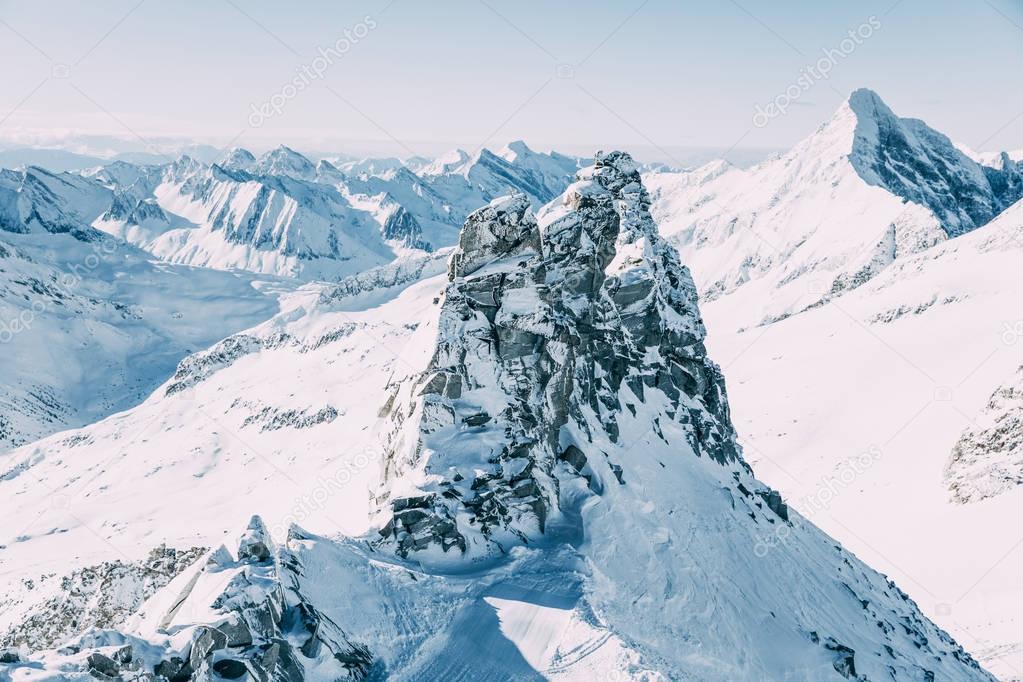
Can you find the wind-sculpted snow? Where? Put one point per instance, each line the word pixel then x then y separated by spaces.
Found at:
pixel 558 491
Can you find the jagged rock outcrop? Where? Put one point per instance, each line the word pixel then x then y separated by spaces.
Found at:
pixel 542 329
pixel 562 493
pixel 401 226
pixel 259 624
pixel 131 210
pixel 988 459
pixel 101 596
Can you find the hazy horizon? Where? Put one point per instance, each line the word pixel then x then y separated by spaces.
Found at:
pixel 362 78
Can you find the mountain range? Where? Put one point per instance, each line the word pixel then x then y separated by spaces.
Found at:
pixel 461 419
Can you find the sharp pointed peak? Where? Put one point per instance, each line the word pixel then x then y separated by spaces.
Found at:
pixel 866 102
pixel 517 147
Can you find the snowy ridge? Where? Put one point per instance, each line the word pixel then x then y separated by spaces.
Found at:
pixel 920 351
pixel 35 200
pixel 865 189
pixel 282 214
pixel 921 165
pixel 625 535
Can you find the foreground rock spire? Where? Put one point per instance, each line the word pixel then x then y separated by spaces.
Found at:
pixel 549 332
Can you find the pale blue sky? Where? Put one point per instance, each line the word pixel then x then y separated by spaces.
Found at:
pixel 657 75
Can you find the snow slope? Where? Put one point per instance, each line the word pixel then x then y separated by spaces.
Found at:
pixel 91 328
pixel 532 458
pixel 91 325
pixel 860 294
pixel 874 415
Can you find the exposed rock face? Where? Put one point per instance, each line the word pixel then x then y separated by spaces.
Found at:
pixel 262 625
pixel 921 165
pixel 562 412
pixel 402 226
pixel 100 596
pixel 127 207
pixel 988 459
pixel 35 200
pixel 543 328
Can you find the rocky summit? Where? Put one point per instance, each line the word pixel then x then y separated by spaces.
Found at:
pixel 546 334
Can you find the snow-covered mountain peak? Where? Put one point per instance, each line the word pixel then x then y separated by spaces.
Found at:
pixel 238 158
pixel 865 188
pixel 920 164
pixel 36 200
pixel 536 317
pixel 325 169
pixel 867 104
pixel 285 161
pixel 446 163
pixel 555 469
pixel 515 150
pixel 183 167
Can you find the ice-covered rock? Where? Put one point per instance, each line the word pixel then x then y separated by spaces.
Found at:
pixel 560 494
pixel 542 326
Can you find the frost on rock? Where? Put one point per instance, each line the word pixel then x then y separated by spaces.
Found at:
pixel 988 459
pixel 100 596
pixel 254 622
pixel 546 334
